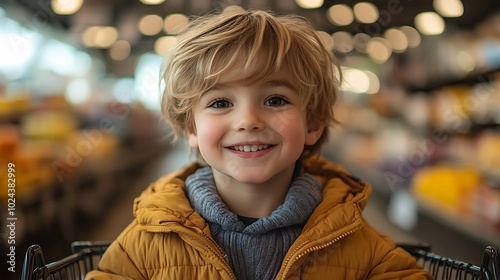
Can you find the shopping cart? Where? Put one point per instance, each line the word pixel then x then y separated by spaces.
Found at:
pixel 446 268
pixel 86 255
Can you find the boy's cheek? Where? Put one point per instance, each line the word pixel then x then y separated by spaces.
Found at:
pixel 283 122
pixel 207 134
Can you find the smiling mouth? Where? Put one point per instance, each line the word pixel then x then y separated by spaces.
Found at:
pixel 250 148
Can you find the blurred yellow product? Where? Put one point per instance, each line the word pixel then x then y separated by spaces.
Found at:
pixel 5 106
pixel 14 104
pixel 450 186
pixel 32 166
pixel 450 107
pixel 462 94
pixel 32 170
pixel 48 124
pixel 21 103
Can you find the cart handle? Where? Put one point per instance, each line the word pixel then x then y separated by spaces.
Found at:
pixel 490 264
pixel 34 258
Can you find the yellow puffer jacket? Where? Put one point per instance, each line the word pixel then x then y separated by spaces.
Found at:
pixel 169 240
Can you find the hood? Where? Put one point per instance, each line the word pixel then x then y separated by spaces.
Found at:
pixel 344 198
pixel 340 184
pixel 165 201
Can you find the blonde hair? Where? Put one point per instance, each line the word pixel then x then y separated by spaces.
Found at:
pixel 268 43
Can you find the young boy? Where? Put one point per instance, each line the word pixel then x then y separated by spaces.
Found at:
pixel 253 93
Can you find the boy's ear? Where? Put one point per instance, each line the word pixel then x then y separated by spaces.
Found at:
pixel 315 129
pixel 192 137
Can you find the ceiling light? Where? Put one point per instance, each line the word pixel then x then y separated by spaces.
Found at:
pixel 309 4
pixel 326 39
pixel 340 15
pixel 89 35
pixel 397 39
pixel 150 25
pixel 106 36
pixel 163 44
pixel 366 12
pixel 412 36
pixel 379 49
pixel 78 91
pixel 146 87
pixel 360 41
pixel 152 2
pixel 342 41
pixel 174 23
pixel 355 80
pixel 120 50
pixel 66 7
pixel 429 23
pixel 123 90
pixel 374 84
pixel 449 8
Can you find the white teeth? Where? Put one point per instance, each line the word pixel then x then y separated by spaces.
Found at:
pixel 250 148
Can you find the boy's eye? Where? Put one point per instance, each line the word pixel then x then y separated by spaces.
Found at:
pixel 220 103
pixel 276 101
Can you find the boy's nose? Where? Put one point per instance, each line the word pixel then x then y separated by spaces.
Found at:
pixel 249 119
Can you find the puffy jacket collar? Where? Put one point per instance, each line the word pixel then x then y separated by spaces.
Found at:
pixel 341 190
pixel 164 202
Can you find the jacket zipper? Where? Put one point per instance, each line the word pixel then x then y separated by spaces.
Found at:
pixel 288 263
pixel 218 252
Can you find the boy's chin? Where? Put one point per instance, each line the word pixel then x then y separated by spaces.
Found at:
pixel 247 175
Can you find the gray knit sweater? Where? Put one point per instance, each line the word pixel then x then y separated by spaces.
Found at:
pixel 255 251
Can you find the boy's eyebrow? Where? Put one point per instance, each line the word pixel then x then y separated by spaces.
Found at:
pixel 270 83
pixel 217 86
pixel 279 83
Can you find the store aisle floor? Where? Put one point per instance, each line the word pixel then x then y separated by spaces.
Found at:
pixel 444 241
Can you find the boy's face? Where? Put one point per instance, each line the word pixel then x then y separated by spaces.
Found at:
pixel 251 133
